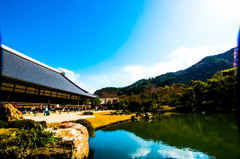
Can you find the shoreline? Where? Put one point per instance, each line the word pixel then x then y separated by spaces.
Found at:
pixel 104 119
pixel 112 124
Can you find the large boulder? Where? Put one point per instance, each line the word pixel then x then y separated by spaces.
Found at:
pixel 9 113
pixel 76 133
pixel 50 153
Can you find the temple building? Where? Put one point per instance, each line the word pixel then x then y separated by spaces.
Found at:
pixel 24 79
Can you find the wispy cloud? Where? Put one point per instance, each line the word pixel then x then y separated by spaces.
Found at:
pixel 179 59
pixel 76 78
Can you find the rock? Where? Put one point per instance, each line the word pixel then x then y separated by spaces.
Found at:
pixel 77 134
pixel 133 118
pixel 66 125
pixel 9 113
pixel 148 116
pixel 38 125
pixel 49 153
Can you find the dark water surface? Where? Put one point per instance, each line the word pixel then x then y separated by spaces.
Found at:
pixel 179 136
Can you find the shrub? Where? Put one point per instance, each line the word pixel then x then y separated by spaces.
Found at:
pixel 3 124
pixel 87 113
pixel 19 143
pixel 114 113
pixel 88 125
pixel 24 123
pixel 128 113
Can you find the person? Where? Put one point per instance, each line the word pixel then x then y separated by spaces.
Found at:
pixel 33 110
pixel 45 110
pixel 60 111
pixel 48 109
pixel 23 110
pixel 41 108
pixel 15 105
pixel 67 109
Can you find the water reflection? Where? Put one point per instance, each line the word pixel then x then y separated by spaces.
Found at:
pixel 188 136
pixel 124 144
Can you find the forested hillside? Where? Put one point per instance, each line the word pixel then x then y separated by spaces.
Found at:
pixel 203 70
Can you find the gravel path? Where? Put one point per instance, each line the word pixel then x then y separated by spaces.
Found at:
pixel 56 118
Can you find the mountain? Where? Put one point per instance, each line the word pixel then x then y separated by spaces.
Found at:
pixel 202 70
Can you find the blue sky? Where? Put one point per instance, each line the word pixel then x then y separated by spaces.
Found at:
pixel 117 42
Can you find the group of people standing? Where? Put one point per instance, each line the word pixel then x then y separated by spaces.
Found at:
pixel 45 109
pixel 42 109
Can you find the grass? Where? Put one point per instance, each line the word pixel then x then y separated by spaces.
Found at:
pixel 167 108
pixel 104 119
pixel 49 125
pixel 7 130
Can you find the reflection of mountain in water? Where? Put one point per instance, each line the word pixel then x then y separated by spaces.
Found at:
pixel 215 134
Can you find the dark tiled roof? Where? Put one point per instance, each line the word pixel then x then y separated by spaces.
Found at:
pixel 19 67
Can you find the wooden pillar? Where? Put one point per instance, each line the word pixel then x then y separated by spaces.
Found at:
pixel 14 86
pixel 26 90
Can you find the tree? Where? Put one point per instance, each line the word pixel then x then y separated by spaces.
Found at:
pixel 194 95
pixel 98 102
pixel 134 103
pixel 221 91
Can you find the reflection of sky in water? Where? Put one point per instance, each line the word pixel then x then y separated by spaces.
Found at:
pixel 123 144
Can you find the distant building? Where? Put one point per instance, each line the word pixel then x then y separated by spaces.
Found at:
pixel 24 79
pixel 108 100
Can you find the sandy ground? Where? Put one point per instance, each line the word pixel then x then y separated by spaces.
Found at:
pixel 55 118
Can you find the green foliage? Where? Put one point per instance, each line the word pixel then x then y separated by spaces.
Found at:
pixel 24 123
pixel 88 125
pixel 120 104
pixel 98 102
pixel 215 95
pixel 19 143
pixel 194 95
pixel 3 124
pixel 106 92
pixel 221 91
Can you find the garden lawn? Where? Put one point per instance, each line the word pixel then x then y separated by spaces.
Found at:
pixel 103 119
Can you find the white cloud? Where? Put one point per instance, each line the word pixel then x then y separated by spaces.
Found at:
pixel 185 153
pixel 70 74
pixel 76 78
pixel 134 69
pixel 144 147
pixel 179 59
pixel 141 152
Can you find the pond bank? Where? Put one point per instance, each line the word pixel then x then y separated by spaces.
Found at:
pixel 104 119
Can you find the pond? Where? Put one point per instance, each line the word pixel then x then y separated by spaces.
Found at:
pixel 179 136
